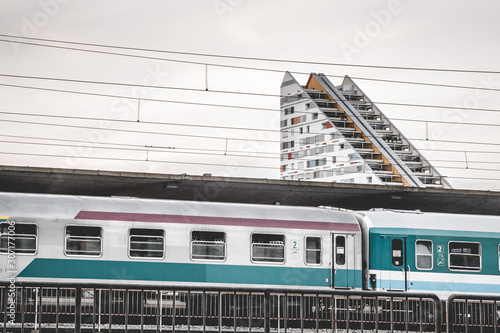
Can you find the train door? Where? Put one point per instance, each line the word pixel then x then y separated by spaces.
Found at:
pixel 394 263
pixel 343 261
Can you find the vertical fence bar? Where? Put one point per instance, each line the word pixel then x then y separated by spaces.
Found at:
pixel 267 312
pixel 142 309
pixel 158 310
pixel 78 309
pixel 40 316
pixel 407 313
pixel 481 313
pixel 23 309
pixel 362 309
pixel 347 311
pixel 391 313
pixel 234 313
pixel 4 296
pixel 285 313
pixel 110 309
pixel 220 313
pixel 126 301
pixel 317 313
pixel 189 312
pixel 204 310
pixel 174 309
pixel 250 312
pixel 466 319
pixel 94 307
pixel 301 310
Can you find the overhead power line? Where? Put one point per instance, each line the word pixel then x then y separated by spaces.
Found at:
pixel 140 160
pixel 253 58
pixel 254 68
pixel 137 131
pixel 232 106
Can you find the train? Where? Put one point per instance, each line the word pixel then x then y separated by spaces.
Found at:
pixel 133 241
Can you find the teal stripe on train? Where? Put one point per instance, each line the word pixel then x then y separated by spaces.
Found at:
pixel 177 272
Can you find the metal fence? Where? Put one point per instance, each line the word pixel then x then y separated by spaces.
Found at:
pixel 103 308
pixel 473 313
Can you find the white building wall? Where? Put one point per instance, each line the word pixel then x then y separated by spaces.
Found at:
pixel 312 148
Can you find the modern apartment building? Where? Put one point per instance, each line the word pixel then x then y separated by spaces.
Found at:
pixel 337 134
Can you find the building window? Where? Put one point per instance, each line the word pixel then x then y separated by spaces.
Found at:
pixel 21 238
pixel 464 256
pixel 397 252
pixel 308 106
pixel 315 116
pixel 289 110
pixel 146 243
pixel 268 248
pixel 423 252
pixel 313 250
pixel 208 245
pixel 83 241
pixel 301 130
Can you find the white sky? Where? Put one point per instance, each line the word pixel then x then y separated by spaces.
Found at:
pixel 425 34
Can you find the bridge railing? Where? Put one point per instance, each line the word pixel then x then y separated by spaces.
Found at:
pixel 473 313
pixel 140 308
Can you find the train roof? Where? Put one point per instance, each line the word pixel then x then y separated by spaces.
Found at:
pixel 387 218
pixel 155 210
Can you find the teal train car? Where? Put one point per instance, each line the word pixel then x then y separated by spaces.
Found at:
pixel 430 252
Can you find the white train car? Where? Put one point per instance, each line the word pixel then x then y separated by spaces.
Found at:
pixel 120 241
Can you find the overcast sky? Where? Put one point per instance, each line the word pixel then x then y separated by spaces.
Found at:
pixel 205 139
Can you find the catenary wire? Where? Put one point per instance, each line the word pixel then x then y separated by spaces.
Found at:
pixel 137 131
pixel 232 106
pixel 260 69
pixel 186 135
pixel 254 58
pixel 162 148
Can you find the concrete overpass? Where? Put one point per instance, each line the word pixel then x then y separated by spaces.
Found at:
pixel 245 190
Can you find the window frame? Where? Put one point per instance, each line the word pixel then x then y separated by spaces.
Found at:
pixel 320 250
pixel 466 269
pixel 253 260
pixel 130 235
pixel 191 241
pixel 6 252
pixel 66 237
pixel 426 255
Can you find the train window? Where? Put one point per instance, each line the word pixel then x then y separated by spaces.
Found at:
pixel 83 240
pixel 397 252
pixel 208 245
pixel 340 250
pixel 423 252
pixel 268 248
pixel 20 238
pixel 313 250
pixel 464 256
pixel 146 243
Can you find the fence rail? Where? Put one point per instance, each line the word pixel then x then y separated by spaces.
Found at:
pixel 105 308
pixel 478 313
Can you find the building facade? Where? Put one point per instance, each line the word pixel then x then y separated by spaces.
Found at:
pixel 337 134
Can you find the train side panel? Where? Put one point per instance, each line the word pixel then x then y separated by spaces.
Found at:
pixel 134 241
pixel 438 253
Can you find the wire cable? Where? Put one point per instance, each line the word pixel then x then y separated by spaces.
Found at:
pixel 259 69
pixel 233 106
pixel 254 58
